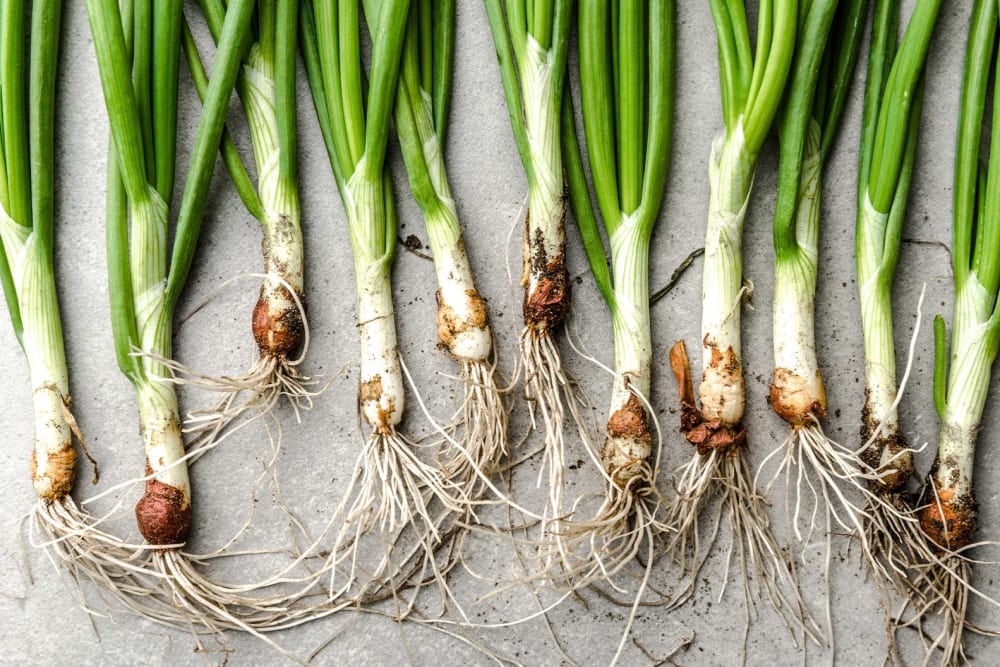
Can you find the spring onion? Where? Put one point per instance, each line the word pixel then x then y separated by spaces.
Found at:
pixel 139 62
pixel 825 59
pixel 532 49
pixel 266 87
pixel 889 141
pixel 962 378
pixel 824 66
pixel 751 90
pixel 627 92
pixel 393 487
pixel 27 228
pixel 463 326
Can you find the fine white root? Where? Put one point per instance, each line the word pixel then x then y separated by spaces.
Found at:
pixel 814 465
pixel 484 440
pixel 939 583
pixel 896 540
pixel 764 572
pixel 942 588
pixel 551 394
pixel 592 551
pixel 256 392
pixel 576 553
pixel 165 588
pixel 163 584
pixel 392 491
pixel 74 542
pixel 816 471
pixel 271 378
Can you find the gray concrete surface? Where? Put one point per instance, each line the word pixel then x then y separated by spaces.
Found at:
pixel 42 625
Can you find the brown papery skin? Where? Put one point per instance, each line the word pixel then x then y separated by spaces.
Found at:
pixel 792 399
pixel 163 515
pixel 949 520
pixel 546 306
pixel 706 435
pixel 629 442
pixel 56 481
pixel 278 332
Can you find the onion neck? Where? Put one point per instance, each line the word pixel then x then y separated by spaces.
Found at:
pixel 544 276
pixel 381 386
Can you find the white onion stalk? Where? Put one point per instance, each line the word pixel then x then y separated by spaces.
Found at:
pixel 628 136
pixel 629 443
pixel 393 492
pixel 147 274
pixel 164 512
pixel 547 387
pixel 392 488
pixel 890 127
pixel 948 509
pixel 797 392
pixel 939 579
pixel 891 530
pixel 66 531
pixel 592 550
pixel 825 60
pixel 53 460
pixel 881 417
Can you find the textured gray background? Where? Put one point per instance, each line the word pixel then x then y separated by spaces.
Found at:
pixel 42 625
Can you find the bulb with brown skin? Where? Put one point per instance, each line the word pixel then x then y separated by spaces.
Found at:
pixel 545 277
pixel 707 435
pixel 56 480
pixel 629 442
pixel 797 399
pixel 949 519
pixel 163 514
pixel 277 322
pixel 53 459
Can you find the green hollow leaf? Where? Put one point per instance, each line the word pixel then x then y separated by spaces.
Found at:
pixel 45 31
pixel 286 51
pixel 975 81
pixel 797 117
pixel 230 155
pixel 940 366
pixel 579 195
pixel 167 22
pixel 640 33
pixel 228 59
